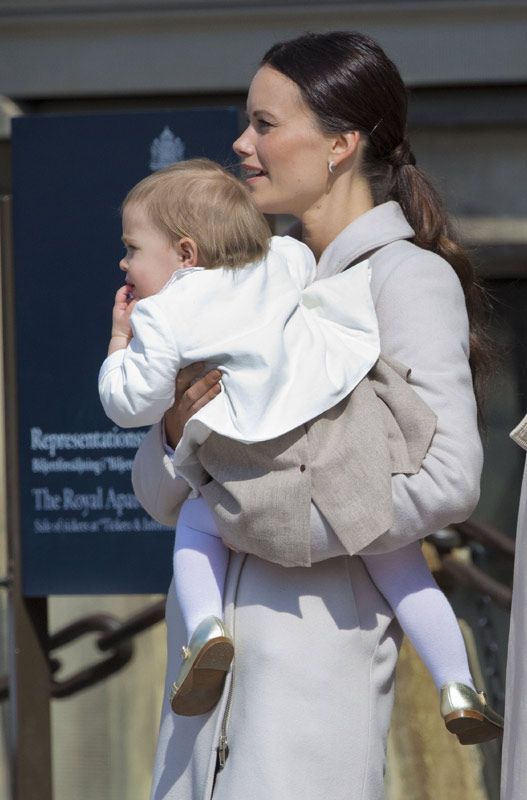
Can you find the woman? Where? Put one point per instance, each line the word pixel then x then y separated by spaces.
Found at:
pixel 306 711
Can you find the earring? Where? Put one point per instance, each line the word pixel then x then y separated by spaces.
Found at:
pixel 331 167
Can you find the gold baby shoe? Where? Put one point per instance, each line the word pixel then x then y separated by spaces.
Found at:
pixel 467 714
pixel 206 661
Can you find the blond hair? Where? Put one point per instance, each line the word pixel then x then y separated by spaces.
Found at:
pixel 200 200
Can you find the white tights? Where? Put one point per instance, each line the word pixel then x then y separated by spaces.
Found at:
pixel 200 564
pixel 402 576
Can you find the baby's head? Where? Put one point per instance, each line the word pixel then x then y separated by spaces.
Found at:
pixel 193 213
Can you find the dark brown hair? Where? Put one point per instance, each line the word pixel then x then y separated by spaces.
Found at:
pixel 349 83
pixel 199 199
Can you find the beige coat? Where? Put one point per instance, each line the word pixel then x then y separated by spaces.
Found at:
pixel 514 754
pixel 383 428
pixel 316 647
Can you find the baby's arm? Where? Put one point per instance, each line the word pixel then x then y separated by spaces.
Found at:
pixel 137 379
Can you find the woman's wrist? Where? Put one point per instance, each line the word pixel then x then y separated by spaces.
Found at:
pixel 173 428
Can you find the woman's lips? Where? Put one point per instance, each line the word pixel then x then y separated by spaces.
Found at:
pixel 253 174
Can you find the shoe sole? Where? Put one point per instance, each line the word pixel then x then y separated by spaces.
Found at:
pixel 203 686
pixel 471 727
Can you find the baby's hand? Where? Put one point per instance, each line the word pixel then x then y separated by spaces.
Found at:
pixel 122 308
pixel 121 328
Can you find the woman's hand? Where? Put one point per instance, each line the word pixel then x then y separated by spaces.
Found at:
pixel 192 393
pixel 121 328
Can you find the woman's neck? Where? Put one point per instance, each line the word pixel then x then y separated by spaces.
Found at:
pixel 341 205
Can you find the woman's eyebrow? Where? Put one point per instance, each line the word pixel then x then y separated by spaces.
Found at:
pixel 258 111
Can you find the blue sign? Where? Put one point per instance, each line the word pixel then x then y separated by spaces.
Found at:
pixel 83 531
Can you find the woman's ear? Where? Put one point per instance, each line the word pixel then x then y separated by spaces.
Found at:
pixel 188 252
pixel 344 146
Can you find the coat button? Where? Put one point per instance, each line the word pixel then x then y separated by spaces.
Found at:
pixel 302 467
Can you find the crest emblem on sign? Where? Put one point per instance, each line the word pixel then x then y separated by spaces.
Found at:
pixel 166 149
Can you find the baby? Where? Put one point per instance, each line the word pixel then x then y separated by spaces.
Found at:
pixel 206 282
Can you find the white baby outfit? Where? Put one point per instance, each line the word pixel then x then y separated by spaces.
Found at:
pixel 288 349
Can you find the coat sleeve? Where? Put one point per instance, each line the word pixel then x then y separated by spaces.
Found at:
pixel 157 487
pixel 137 385
pixel 423 324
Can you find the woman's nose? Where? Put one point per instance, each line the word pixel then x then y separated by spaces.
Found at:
pixel 243 146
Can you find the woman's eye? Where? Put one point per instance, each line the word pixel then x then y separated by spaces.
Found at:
pixel 263 124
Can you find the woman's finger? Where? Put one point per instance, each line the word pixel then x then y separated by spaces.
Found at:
pixel 192 393
pixel 203 390
pixel 187 376
pixel 204 399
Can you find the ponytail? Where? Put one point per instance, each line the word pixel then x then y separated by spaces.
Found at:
pixel 426 214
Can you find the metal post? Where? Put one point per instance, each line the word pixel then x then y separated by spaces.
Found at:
pixel 29 676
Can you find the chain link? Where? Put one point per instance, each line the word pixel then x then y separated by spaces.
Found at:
pixel 115 637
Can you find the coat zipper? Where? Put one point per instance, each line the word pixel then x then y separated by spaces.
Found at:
pixel 223 742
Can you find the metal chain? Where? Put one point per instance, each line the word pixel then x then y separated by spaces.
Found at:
pixel 115 638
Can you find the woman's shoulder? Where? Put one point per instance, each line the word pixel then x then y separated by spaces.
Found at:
pixel 403 264
pixel 418 297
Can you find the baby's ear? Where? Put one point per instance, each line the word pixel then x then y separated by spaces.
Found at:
pixel 188 252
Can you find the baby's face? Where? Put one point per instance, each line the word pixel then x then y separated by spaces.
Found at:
pixel 150 258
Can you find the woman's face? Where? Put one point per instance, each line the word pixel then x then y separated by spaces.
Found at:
pixel 284 155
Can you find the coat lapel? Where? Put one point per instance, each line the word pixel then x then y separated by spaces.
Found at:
pixel 376 228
